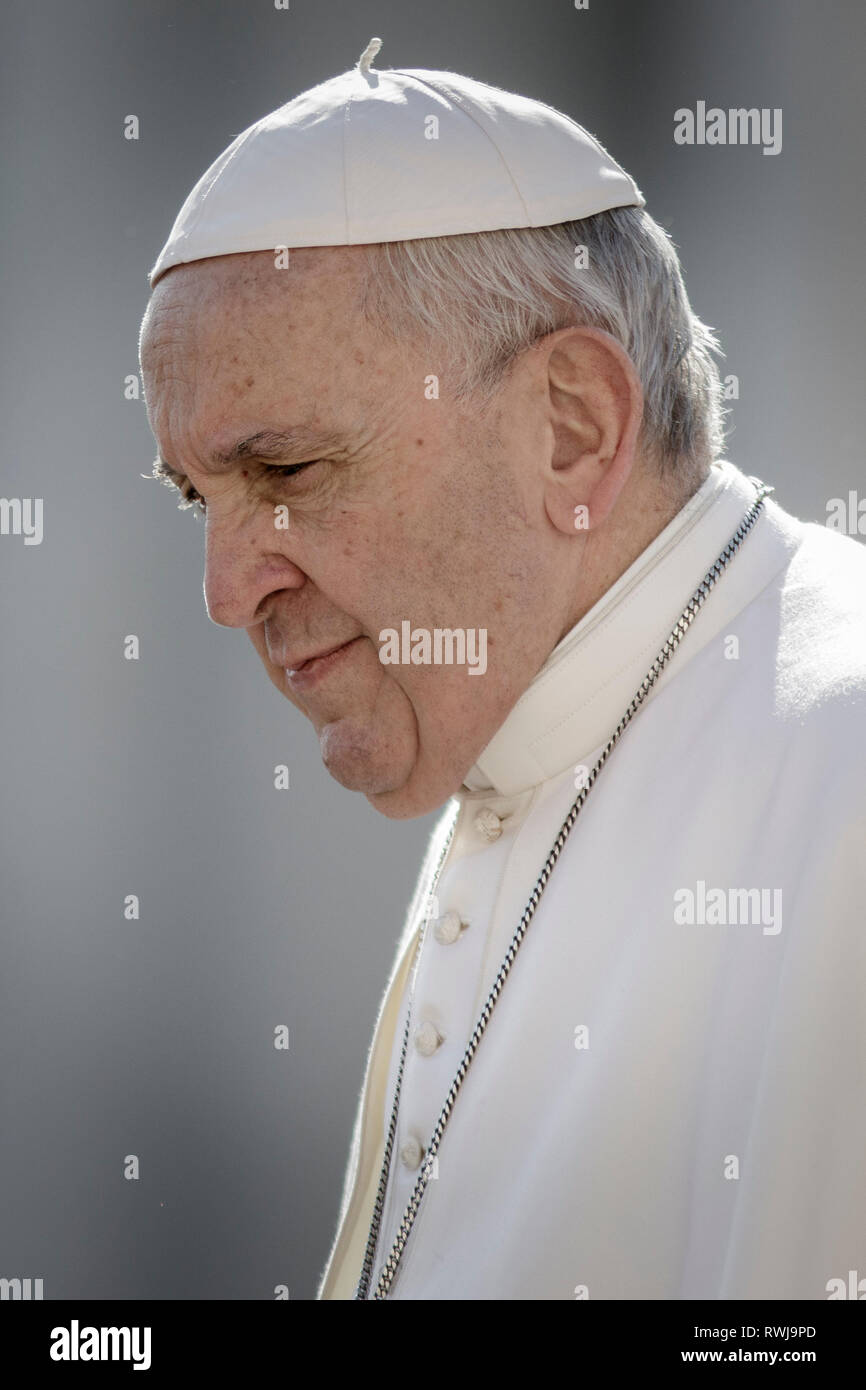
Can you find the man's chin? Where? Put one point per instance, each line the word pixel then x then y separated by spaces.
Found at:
pixel 387 773
pixel 362 760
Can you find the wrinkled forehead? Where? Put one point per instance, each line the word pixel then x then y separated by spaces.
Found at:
pixel 234 345
pixel 203 308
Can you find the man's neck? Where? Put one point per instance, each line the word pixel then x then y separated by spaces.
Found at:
pixel 646 506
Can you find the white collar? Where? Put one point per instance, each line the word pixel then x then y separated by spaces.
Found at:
pixel 577 698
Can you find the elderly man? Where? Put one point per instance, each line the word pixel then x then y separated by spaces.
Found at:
pixel 428 365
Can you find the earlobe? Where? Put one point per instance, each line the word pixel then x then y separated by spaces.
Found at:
pixel 570 517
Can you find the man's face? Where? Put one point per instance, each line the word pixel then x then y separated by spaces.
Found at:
pixel 409 509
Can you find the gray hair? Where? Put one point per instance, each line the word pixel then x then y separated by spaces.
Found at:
pixel 484 297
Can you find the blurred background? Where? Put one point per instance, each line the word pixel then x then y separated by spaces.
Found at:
pixel 155 1037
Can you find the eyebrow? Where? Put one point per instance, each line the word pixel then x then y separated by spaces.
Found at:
pixel 276 444
pixel 264 445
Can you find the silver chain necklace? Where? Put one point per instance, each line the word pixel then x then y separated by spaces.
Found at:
pixel 680 628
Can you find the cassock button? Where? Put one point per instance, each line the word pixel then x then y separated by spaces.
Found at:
pixel 488 825
pixel 448 927
pixel 411 1153
pixel 427 1039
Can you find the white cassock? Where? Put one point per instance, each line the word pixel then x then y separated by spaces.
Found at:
pixel 668 1101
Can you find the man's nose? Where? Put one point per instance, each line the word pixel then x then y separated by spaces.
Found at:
pixel 243 565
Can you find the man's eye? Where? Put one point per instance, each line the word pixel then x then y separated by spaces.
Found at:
pixel 288 470
pixel 191 498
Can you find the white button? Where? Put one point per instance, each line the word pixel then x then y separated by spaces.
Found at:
pixel 448 927
pixel 411 1153
pixel 427 1039
pixel 488 825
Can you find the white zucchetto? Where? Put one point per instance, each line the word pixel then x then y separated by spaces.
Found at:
pixel 390 155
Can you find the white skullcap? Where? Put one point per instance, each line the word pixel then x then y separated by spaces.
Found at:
pixel 360 158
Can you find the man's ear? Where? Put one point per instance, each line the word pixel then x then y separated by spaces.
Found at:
pixel 595 408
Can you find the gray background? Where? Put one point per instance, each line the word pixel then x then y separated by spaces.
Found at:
pixel 154 777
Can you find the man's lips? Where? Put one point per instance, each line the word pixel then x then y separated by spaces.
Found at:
pixel 292 667
pixel 300 675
